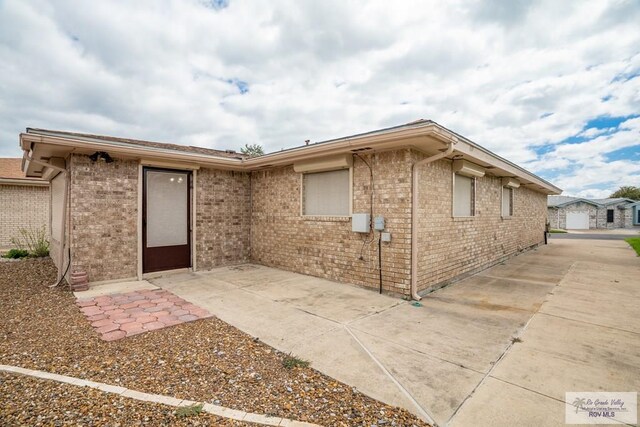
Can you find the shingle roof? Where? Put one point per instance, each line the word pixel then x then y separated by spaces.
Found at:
pixel 11 173
pixel 143 143
pixel 610 201
pixel 10 167
pixel 560 201
pixel 553 201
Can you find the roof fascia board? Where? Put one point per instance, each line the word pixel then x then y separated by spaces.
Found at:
pixel 336 146
pixel 133 151
pixel 385 138
pixel 487 157
pixel 470 148
pixel 24 182
pixel 587 201
pixel 618 201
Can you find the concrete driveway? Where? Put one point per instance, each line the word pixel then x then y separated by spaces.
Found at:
pixel 454 360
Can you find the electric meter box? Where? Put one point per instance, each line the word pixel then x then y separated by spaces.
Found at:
pixel 378 223
pixel 360 222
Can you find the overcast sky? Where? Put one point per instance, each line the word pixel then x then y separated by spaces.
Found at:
pixel 551 85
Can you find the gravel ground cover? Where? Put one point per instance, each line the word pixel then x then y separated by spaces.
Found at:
pixel 205 360
pixel 36 402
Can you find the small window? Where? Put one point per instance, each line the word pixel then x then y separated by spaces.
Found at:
pixel 464 195
pixel 326 193
pixel 507 201
pixel 609 215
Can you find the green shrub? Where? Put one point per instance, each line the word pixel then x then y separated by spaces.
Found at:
pixel 33 240
pixel 16 253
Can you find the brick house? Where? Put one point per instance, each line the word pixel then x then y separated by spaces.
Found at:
pixel 24 202
pixel 577 213
pixel 402 210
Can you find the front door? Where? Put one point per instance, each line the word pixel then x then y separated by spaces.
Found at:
pixel 166 219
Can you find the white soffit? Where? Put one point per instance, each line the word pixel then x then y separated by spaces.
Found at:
pixel 341 161
pixel 50 173
pixel 466 168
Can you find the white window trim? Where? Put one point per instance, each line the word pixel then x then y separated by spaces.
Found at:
pixel 342 217
pixel 513 198
pixel 474 185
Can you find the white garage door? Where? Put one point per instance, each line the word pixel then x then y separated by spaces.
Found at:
pixel 578 220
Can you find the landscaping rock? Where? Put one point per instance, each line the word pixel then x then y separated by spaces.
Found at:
pixel 205 360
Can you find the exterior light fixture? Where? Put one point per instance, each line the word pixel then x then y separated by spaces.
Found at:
pixel 101 155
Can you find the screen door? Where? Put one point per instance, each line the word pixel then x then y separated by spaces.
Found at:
pixel 166 220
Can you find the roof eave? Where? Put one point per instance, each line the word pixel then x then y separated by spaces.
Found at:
pixel 24 182
pixel 424 135
pixel 28 140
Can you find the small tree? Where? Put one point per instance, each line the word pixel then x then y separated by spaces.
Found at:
pixel 628 192
pixel 252 150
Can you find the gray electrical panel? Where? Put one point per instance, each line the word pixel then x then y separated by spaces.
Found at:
pixel 378 223
pixel 360 222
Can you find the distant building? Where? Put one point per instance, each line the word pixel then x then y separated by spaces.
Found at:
pixel 577 213
pixel 24 202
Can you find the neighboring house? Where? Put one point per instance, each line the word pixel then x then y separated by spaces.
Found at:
pixel 576 213
pixel 24 202
pixel 124 208
pixel 634 212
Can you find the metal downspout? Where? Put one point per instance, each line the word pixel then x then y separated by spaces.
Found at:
pixel 414 215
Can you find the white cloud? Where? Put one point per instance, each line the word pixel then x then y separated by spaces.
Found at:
pixel 518 77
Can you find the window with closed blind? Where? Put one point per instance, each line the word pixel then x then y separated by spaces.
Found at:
pixel 507 202
pixel 463 195
pixel 326 193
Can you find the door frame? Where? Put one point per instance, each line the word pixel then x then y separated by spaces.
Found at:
pixel 142 203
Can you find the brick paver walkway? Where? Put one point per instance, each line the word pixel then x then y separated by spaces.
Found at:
pixel 122 315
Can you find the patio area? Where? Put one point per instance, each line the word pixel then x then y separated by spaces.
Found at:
pixel 480 337
pixel 205 361
pixel 119 315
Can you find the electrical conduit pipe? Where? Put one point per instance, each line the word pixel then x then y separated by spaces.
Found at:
pixel 414 214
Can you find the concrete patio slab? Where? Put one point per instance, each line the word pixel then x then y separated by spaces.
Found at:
pixel 577 356
pixel 114 288
pixel 525 271
pixel 280 326
pixel 425 377
pixel 496 403
pixel 615 309
pixel 367 376
pixel 453 360
pixel 462 334
pixel 494 294
pixel 322 298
